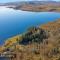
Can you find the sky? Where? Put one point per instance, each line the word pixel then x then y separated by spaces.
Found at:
pixel 4 1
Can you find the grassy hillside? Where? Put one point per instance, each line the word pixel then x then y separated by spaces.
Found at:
pixel 38 43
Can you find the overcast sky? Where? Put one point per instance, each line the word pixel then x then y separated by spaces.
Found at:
pixel 1 1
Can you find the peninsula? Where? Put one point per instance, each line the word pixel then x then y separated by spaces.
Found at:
pixel 36 6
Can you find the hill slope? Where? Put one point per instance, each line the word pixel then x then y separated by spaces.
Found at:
pixel 38 43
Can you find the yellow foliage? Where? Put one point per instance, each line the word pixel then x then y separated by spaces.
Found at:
pixel 9 42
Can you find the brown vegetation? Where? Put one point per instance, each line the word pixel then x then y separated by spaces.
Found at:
pixel 39 8
pixel 38 43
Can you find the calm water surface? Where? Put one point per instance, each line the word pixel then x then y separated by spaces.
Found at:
pixel 13 22
pixel 4 58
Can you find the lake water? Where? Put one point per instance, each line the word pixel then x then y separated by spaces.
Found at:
pixel 4 58
pixel 13 22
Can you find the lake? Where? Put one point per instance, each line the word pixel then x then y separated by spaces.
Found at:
pixel 14 22
pixel 4 58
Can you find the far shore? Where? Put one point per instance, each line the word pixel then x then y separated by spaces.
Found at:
pixel 39 8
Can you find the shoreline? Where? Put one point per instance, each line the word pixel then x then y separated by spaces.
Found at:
pixel 38 8
pixel 41 26
pixel 19 45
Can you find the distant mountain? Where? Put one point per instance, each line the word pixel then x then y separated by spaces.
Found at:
pixel 1 4
pixel 32 2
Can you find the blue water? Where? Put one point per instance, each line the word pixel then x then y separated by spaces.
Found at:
pixel 13 22
pixel 4 58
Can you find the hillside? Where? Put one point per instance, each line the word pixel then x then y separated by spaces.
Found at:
pixel 38 43
pixel 36 6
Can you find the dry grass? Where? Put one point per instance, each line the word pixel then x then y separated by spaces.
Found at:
pixel 40 8
pixel 49 49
